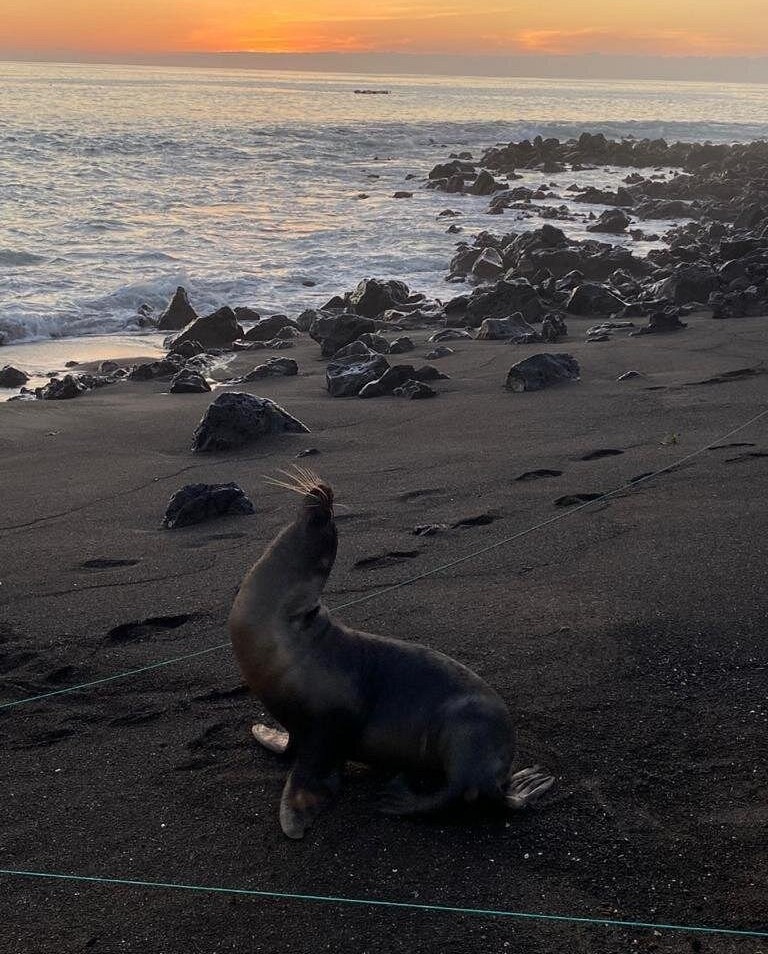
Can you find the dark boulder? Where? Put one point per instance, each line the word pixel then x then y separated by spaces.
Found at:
pixel 542 370
pixel 612 220
pixel 372 297
pixel 71 386
pixel 275 367
pixel 689 283
pixel 198 502
pixel 156 369
pixel 504 299
pixel 377 343
pixel 188 381
pixel 401 345
pixel 235 419
pixel 11 377
pixel 660 323
pixel 392 378
pixel 178 314
pixel 217 330
pixel 333 332
pixel 348 376
pixel 484 184
pixel 488 265
pixel 268 328
pixel 590 298
pixel 514 328
pixel 553 327
pixel 415 390
pixel 187 349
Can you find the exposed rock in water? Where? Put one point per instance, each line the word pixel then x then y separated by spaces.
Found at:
pixel 179 312
pixel 235 419
pixel 11 377
pixel 593 299
pixel 488 266
pixel 198 502
pixel 515 327
pixel 188 381
pixel 612 220
pixel 542 370
pixel 348 376
pixel 333 332
pixel 372 297
pixel 217 330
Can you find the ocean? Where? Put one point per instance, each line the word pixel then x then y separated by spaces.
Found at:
pixel 119 183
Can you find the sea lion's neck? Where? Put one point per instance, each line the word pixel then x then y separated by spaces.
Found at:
pixel 281 589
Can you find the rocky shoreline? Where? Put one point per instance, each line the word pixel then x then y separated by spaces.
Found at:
pixel 525 285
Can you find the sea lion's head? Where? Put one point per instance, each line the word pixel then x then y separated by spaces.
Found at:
pixel 307 547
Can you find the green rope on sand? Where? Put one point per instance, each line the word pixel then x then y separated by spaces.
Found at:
pixel 414 579
pixel 380 903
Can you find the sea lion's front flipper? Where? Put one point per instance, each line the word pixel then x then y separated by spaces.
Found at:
pixel 304 798
pixel 276 740
pixel 526 786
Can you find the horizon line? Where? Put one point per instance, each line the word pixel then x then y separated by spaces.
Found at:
pixel 598 65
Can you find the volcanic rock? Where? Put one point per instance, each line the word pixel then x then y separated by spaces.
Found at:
pixel 195 503
pixel 179 312
pixel 235 419
pixel 333 332
pixel 592 299
pixel 542 370
pixel 348 376
pixel 11 377
pixel 188 381
pixel 217 330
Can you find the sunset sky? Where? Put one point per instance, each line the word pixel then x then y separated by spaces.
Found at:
pixel 665 27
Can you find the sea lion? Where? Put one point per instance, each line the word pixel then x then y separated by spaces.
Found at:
pixel 346 695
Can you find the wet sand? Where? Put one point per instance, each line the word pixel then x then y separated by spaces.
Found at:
pixel 630 638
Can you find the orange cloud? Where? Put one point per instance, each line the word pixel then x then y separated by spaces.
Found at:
pixel 692 27
pixel 664 42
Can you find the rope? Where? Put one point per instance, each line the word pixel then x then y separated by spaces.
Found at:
pixel 382 903
pixel 414 579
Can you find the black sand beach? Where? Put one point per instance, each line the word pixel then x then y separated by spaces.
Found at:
pixel 629 638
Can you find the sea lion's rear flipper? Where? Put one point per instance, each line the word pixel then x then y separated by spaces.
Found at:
pixel 527 786
pixel 304 798
pixel 276 740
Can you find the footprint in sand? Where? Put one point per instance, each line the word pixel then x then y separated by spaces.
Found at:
pixel 480 520
pixel 107 564
pixel 748 455
pixel 600 453
pixel 538 474
pixel 571 500
pixel 385 559
pixel 143 628
pixel 422 492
